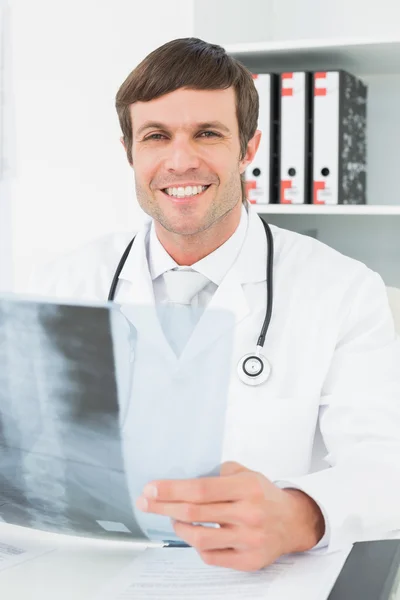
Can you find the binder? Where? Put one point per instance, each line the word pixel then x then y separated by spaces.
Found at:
pixel 340 147
pixel 295 137
pixel 261 176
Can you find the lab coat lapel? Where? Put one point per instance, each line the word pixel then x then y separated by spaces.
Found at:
pixel 226 309
pixel 229 305
pixel 136 297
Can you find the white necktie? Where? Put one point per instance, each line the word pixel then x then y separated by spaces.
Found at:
pixel 179 317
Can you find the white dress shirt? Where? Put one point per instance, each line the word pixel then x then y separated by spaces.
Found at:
pixel 214 266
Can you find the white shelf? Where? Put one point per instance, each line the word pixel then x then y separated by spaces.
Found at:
pixel 362 56
pixel 341 209
pixel 375 241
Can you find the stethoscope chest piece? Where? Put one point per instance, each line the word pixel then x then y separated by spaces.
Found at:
pixel 254 369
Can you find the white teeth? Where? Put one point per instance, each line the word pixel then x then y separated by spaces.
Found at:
pixel 189 190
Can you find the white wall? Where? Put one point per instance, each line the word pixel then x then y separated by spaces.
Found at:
pixel 73 182
pixel 6 139
pixel 6 271
pixel 234 21
pixel 316 19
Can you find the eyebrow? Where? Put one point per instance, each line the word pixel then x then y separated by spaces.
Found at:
pixel 206 125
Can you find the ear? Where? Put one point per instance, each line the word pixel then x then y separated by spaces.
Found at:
pixel 252 148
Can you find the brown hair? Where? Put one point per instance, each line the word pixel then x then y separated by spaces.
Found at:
pixel 194 64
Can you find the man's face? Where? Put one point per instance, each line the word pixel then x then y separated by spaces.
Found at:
pixel 183 140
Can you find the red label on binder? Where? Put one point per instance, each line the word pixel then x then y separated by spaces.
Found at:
pixel 287 91
pixel 285 185
pixel 318 185
pixel 250 185
pixel 319 91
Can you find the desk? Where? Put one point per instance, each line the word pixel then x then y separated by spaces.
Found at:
pixel 371 572
pixel 80 569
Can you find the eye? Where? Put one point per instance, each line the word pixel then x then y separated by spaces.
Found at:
pixel 211 133
pixel 154 136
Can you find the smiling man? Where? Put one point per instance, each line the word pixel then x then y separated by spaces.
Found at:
pixel 187 167
pixel 188 115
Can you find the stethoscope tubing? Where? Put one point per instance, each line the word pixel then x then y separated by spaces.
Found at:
pixel 247 377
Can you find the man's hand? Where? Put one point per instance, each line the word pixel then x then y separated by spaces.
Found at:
pixel 258 522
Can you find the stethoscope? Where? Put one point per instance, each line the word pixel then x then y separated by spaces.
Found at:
pixel 253 368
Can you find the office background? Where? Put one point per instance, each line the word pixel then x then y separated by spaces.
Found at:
pixel 65 177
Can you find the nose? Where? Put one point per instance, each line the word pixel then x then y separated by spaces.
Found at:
pixel 182 156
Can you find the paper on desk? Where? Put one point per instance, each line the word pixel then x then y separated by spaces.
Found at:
pixel 12 554
pixel 166 573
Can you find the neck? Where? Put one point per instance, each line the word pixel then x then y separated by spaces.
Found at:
pixel 189 249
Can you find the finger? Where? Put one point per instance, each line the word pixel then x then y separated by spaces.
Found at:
pixel 206 538
pixel 201 490
pixel 232 468
pixel 223 513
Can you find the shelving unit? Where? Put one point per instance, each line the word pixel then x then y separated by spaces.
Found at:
pixel 372 234
pixel 341 209
pixel 362 56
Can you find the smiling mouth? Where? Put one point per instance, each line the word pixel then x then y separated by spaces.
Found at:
pixel 185 193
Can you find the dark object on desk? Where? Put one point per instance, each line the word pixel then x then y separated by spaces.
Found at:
pixel 370 572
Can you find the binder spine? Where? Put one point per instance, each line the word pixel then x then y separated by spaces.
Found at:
pixel 339 160
pixel 295 140
pixel 274 139
pixel 352 140
pixel 326 137
pixel 258 174
pixel 309 138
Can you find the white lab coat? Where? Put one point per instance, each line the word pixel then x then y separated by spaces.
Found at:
pixel 335 367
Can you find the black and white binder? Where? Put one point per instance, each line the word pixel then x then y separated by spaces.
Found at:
pixel 340 148
pixel 262 174
pixel 295 137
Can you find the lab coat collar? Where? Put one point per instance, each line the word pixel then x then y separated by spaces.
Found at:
pixel 137 256
pixel 136 297
pixel 229 298
pixel 214 266
pixel 250 265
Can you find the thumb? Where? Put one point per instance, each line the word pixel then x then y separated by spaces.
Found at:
pixel 232 468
